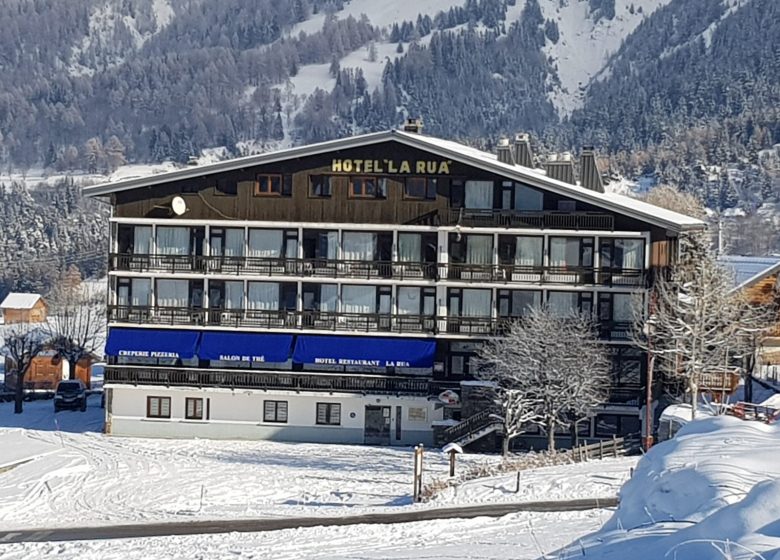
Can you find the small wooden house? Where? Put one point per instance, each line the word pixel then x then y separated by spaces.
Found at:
pixel 24 308
pixel 46 371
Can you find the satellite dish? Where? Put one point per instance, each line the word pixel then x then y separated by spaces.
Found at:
pixel 178 205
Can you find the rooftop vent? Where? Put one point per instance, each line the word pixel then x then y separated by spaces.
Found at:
pixel 590 176
pixel 523 154
pixel 560 167
pixel 504 151
pixel 413 125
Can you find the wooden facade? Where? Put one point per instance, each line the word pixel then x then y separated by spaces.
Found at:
pixel 46 371
pixel 36 314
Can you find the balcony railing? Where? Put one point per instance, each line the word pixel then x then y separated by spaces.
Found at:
pixel 572 275
pixel 534 220
pixel 263 266
pixel 293 381
pixel 271 319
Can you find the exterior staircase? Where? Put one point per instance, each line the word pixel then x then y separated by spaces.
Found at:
pixel 474 428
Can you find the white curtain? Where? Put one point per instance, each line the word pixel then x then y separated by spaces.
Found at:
pixel 358 299
pixel 408 301
pixel 621 307
pixel 409 247
pixel 328 297
pixel 141 290
pixel 234 242
pixel 332 245
pixel 172 293
pixel 528 199
pixel 479 194
pixel 358 246
pixel 564 251
pixel 632 253
pixel 476 303
pixel 265 243
pixel 528 251
pixel 479 249
pixel 173 240
pixel 263 296
pixel 563 304
pixel 234 295
pixel 142 240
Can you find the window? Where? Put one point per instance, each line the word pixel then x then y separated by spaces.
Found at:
pixel 329 414
pixel 368 187
pixel 158 407
pixel 275 411
pixel 273 185
pixel 420 188
pixel 193 409
pixel 320 186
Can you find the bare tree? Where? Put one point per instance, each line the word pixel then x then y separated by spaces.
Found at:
pixel 696 322
pixel 21 343
pixel 666 196
pixel 77 325
pixel 549 371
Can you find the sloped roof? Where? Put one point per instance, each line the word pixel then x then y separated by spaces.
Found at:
pixel 17 300
pixel 444 148
pixel 747 271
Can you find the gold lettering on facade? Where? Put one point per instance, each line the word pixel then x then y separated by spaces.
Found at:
pixel 421 167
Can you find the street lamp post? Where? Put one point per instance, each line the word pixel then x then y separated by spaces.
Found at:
pixel 648 439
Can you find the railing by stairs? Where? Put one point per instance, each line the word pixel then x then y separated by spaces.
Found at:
pixel 474 427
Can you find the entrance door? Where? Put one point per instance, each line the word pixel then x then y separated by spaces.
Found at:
pixel 377 431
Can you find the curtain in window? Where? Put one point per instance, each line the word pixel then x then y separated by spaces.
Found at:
pixel 234 242
pixel 528 251
pixel 234 295
pixel 564 251
pixel 332 245
pixel 142 240
pixel 408 301
pixel 632 253
pixel 173 240
pixel 358 246
pixel 409 247
pixel 328 297
pixel 563 304
pixel 358 299
pixel 621 307
pixel 479 194
pixel 479 249
pixel 263 296
pixel 141 289
pixel 265 243
pixel 172 293
pixel 528 199
pixel 476 303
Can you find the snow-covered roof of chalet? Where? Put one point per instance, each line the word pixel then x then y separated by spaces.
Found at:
pixel 444 148
pixel 16 300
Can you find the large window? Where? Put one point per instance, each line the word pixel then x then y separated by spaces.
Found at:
pixel 158 407
pixel 172 293
pixel 516 196
pixel 517 303
pixel 173 240
pixel 270 185
pixel 275 411
pixel 571 252
pixel 479 195
pixel 523 250
pixel 471 249
pixel 193 409
pixel 358 299
pixel 227 242
pixel 359 245
pixel 625 254
pixel 469 303
pixel 329 414
pixel 368 187
pixel 263 296
pixel 321 186
pixel 142 240
pixel 416 301
pixel 565 304
pixel 266 243
pixel 420 188
pixel 136 292
pixel 616 307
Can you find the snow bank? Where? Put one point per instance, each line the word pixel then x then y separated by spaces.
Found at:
pixel 712 492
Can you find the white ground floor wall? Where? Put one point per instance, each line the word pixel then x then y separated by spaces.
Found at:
pixel 239 414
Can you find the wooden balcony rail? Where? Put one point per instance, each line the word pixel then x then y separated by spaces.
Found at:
pixel 248 379
pixel 533 220
pixel 273 319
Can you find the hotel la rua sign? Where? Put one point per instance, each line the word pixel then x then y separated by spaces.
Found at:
pixel 391 166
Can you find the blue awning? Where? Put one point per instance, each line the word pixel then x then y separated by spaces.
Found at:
pixel 364 351
pixel 152 343
pixel 245 347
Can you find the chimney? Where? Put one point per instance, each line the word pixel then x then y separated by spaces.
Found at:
pixel 414 126
pixel 523 155
pixel 590 176
pixel 504 152
pixel 560 167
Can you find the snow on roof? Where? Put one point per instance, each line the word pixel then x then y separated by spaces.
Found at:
pixel 443 148
pixel 749 270
pixel 16 300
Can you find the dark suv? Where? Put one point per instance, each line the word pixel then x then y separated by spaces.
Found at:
pixel 70 394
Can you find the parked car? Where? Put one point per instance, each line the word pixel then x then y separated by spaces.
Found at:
pixel 71 394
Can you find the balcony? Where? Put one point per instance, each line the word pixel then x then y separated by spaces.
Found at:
pixel 265 319
pixel 283 380
pixel 531 220
pixel 261 266
pixel 569 275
